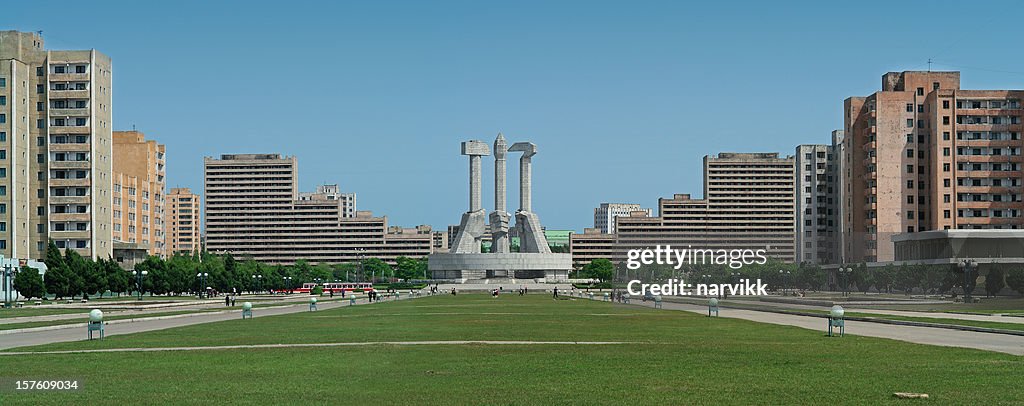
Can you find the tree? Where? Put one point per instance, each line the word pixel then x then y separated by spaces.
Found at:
pixel 931 279
pixel 601 269
pixel 1015 280
pixel 96 276
pixel 29 284
pixel 994 281
pixel 78 273
pixel 118 280
pixel 905 278
pixel 409 268
pixel 56 280
pixel 375 267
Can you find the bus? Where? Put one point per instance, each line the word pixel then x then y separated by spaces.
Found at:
pixel 336 287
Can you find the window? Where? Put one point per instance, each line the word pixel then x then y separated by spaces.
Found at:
pixel 945 182
pixel 910 123
pixel 59 69
pixel 3 82
pixel 3 208
pixel 3 154
pixel 920 108
pixel 910 153
pixel 80 69
pixel 920 123
pixel 945 167
pixel 3 118
pixel 910 199
pixel 3 100
pixel 920 91
pixel 910 138
pixel 910 107
pixel 39 71
pixel 40 89
pixel 945 104
pixel 945 151
pixel 946 214
pixel 3 190
pixel 3 136
pixel 945 120
pixel 946 198
pixel 935 85
pixel 910 184
pixel 910 169
pixel 945 135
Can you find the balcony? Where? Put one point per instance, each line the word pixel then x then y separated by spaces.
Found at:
pixel 69 112
pixel 69 147
pixel 69 200
pixel 68 77
pixel 68 129
pixel 69 164
pixel 59 217
pixel 69 94
pixel 70 182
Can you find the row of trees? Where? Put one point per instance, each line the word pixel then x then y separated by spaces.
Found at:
pixel 70 275
pixel 930 279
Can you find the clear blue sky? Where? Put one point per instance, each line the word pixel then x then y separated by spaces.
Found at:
pixel 622 98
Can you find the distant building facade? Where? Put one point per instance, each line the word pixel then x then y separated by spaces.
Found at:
pixel 605 214
pixel 817 204
pixel 184 219
pixel 138 192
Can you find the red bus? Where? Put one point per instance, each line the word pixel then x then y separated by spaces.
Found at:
pixel 336 287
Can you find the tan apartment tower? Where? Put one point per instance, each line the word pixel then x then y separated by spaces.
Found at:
pixel 55 149
pixel 138 193
pixel 184 214
pixel 926 155
pixel 749 203
pixel 253 210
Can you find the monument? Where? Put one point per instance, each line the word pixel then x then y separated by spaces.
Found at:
pixel 534 260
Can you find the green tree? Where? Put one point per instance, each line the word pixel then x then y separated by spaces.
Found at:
pixel 884 278
pixel 410 268
pixel 601 269
pixel 97 277
pixel 931 279
pixel 118 280
pixel 29 284
pixel 157 280
pixel 905 278
pixel 376 268
pixel 57 281
pixel 78 273
pixel 1015 280
pixel 994 281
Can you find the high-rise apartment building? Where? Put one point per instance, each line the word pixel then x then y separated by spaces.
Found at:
pixel 138 193
pixel 817 204
pixel 253 210
pixel 749 203
pixel 926 155
pixel 183 221
pixel 605 214
pixel 55 149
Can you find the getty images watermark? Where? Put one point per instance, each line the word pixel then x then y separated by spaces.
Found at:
pixel 677 258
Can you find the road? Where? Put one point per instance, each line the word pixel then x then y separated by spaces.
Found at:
pixel 1004 343
pixel 15 340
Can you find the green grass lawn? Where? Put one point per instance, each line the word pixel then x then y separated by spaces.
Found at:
pixel 955 322
pixel 108 317
pixel 671 358
pixel 29 311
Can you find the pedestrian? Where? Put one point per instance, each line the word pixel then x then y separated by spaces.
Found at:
pixel 232 301
pixel 227 301
pixel 332 293
pixel 555 293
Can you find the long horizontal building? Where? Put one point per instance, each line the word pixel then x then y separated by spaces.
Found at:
pixel 749 203
pixel 254 210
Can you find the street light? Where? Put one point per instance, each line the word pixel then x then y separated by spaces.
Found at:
pixel 202 282
pixel 844 275
pixel 8 282
pixel 288 283
pixel 968 266
pixel 139 275
pixel 257 281
pixel 785 277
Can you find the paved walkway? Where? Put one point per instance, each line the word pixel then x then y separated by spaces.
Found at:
pixel 855 309
pixel 79 334
pixel 1009 344
pixel 301 345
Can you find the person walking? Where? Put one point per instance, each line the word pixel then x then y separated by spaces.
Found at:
pixel 555 293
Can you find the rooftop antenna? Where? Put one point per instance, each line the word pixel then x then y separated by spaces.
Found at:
pixel 929 64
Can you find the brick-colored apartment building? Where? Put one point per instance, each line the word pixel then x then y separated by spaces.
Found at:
pixel 924 155
pixel 138 192
pixel 184 219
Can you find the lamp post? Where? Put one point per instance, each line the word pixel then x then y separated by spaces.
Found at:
pixel 968 266
pixel 785 277
pixel 8 282
pixel 257 281
pixel 288 283
pixel 202 282
pixel 139 276
pixel 844 275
